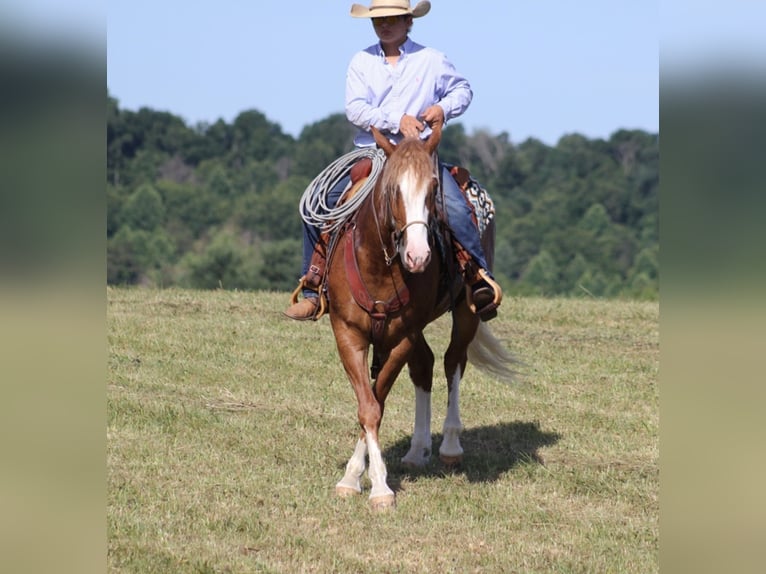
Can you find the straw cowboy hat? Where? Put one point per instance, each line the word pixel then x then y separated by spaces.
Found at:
pixel 381 8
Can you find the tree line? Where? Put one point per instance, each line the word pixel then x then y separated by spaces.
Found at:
pixel 216 205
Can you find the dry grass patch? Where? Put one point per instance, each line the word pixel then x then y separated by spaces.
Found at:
pixel 229 425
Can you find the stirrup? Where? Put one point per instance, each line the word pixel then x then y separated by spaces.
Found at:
pixel 489 310
pixel 321 307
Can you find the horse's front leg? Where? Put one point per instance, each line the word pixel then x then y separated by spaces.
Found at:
pixel 351 483
pixel 421 368
pixel 353 350
pixel 381 496
pixel 353 355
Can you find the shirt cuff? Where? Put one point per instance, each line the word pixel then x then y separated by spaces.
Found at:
pixel 393 120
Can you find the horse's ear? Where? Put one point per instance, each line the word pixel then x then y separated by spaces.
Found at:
pixel 436 135
pixel 382 141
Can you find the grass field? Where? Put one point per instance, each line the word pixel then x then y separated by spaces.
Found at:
pixel 229 425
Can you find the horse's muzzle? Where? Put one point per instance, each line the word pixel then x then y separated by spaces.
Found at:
pixel 417 263
pixel 413 247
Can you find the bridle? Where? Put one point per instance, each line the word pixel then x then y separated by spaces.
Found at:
pixel 397 235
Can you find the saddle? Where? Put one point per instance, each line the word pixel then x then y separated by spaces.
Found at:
pixel 481 206
pixel 455 259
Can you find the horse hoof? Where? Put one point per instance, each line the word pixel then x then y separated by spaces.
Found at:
pixel 346 492
pixel 451 461
pixel 414 464
pixel 383 503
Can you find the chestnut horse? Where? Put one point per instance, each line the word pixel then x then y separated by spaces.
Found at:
pixel 386 282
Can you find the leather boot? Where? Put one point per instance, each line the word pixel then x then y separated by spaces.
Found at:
pixel 483 294
pixel 312 306
pixel 304 309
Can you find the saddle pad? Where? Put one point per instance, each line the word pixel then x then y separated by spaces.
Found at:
pixel 483 206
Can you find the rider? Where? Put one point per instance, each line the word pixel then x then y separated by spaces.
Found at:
pixel 402 88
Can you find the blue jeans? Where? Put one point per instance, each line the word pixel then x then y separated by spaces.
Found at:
pixel 459 221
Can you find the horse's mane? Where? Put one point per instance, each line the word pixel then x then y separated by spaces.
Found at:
pixel 410 154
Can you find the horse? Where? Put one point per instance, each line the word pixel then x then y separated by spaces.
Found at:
pixel 385 284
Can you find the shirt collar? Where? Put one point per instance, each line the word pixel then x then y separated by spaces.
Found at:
pixel 405 48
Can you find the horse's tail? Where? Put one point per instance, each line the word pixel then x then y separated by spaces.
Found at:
pixel 488 354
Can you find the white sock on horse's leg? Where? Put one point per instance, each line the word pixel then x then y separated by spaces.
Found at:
pixel 377 470
pixel 420 446
pixel 450 448
pixel 351 481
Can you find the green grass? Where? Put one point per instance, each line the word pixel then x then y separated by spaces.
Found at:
pixel 229 425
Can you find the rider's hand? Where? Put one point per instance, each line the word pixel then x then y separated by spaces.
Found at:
pixel 433 115
pixel 410 126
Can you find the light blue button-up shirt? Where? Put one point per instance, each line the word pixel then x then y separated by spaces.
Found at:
pixel 379 94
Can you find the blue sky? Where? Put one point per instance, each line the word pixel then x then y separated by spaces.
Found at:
pixel 539 68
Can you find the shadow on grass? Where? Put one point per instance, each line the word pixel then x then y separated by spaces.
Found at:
pixel 489 452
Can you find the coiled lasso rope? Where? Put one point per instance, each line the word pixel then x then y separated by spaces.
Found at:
pixel 313 206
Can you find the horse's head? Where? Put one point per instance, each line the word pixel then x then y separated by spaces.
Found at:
pixel 408 183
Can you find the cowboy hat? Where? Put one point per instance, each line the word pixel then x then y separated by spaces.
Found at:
pixel 381 8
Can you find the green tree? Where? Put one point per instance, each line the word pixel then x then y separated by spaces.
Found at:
pixel 595 221
pixel 254 137
pixel 218 183
pixel 139 256
pixel 580 216
pixel 335 130
pixel 542 273
pixel 321 143
pixel 453 145
pixel 506 264
pixel 212 142
pixel 144 208
pixel 273 215
pixel 192 207
pixel 115 203
pixel 642 287
pixel 644 276
pixel 224 263
pixel 280 265
pixel 573 271
pixel 592 282
pixel 312 157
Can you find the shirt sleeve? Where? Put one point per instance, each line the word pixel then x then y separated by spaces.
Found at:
pixel 453 90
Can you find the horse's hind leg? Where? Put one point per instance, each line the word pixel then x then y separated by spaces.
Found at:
pixel 421 368
pixel 464 325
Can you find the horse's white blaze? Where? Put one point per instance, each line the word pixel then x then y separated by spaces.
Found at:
pixel 420 447
pixel 355 468
pixel 453 426
pixel 416 251
pixel 377 471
